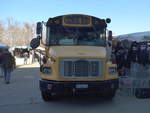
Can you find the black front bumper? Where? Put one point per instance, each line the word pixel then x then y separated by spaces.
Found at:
pixel 60 87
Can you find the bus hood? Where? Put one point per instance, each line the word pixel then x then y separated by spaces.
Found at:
pixel 77 51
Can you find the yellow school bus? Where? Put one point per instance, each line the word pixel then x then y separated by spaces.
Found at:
pixel 77 56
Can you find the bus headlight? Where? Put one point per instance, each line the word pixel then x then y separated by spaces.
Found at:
pixel 112 70
pixel 46 70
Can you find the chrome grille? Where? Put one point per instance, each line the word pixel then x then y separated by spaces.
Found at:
pixel 81 68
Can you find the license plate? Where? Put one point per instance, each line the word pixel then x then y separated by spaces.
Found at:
pixel 81 86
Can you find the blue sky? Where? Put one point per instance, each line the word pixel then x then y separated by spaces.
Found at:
pixel 128 16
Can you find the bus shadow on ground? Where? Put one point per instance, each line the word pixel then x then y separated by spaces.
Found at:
pixel 81 100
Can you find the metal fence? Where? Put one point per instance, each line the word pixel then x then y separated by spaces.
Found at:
pixel 137 77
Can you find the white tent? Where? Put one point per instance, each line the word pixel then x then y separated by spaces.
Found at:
pixel 139 37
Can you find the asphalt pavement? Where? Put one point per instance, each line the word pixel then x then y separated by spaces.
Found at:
pixel 22 95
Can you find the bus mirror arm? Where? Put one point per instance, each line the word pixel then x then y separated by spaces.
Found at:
pixel 110 35
pixel 109 44
pixel 39 37
pixel 41 41
pixel 39 28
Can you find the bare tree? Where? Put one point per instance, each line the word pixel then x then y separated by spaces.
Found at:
pixel 28 31
pixel 1 31
pixel 16 34
pixel 11 31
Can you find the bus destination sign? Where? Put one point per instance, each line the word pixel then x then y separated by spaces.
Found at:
pixel 77 20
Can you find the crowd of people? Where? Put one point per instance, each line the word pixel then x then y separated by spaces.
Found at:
pixel 128 52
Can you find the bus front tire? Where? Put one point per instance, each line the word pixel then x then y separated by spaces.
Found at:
pixel 46 96
pixel 109 95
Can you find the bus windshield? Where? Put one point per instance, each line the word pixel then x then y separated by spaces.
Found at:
pixel 76 36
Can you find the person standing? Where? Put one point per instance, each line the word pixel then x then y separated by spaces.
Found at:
pixel 1 69
pixel 119 53
pixel 8 64
pixel 143 53
pixel 25 58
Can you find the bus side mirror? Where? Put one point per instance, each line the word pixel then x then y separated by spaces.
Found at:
pixel 108 20
pixel 110 35
pixel 35 42
pixel 39 28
